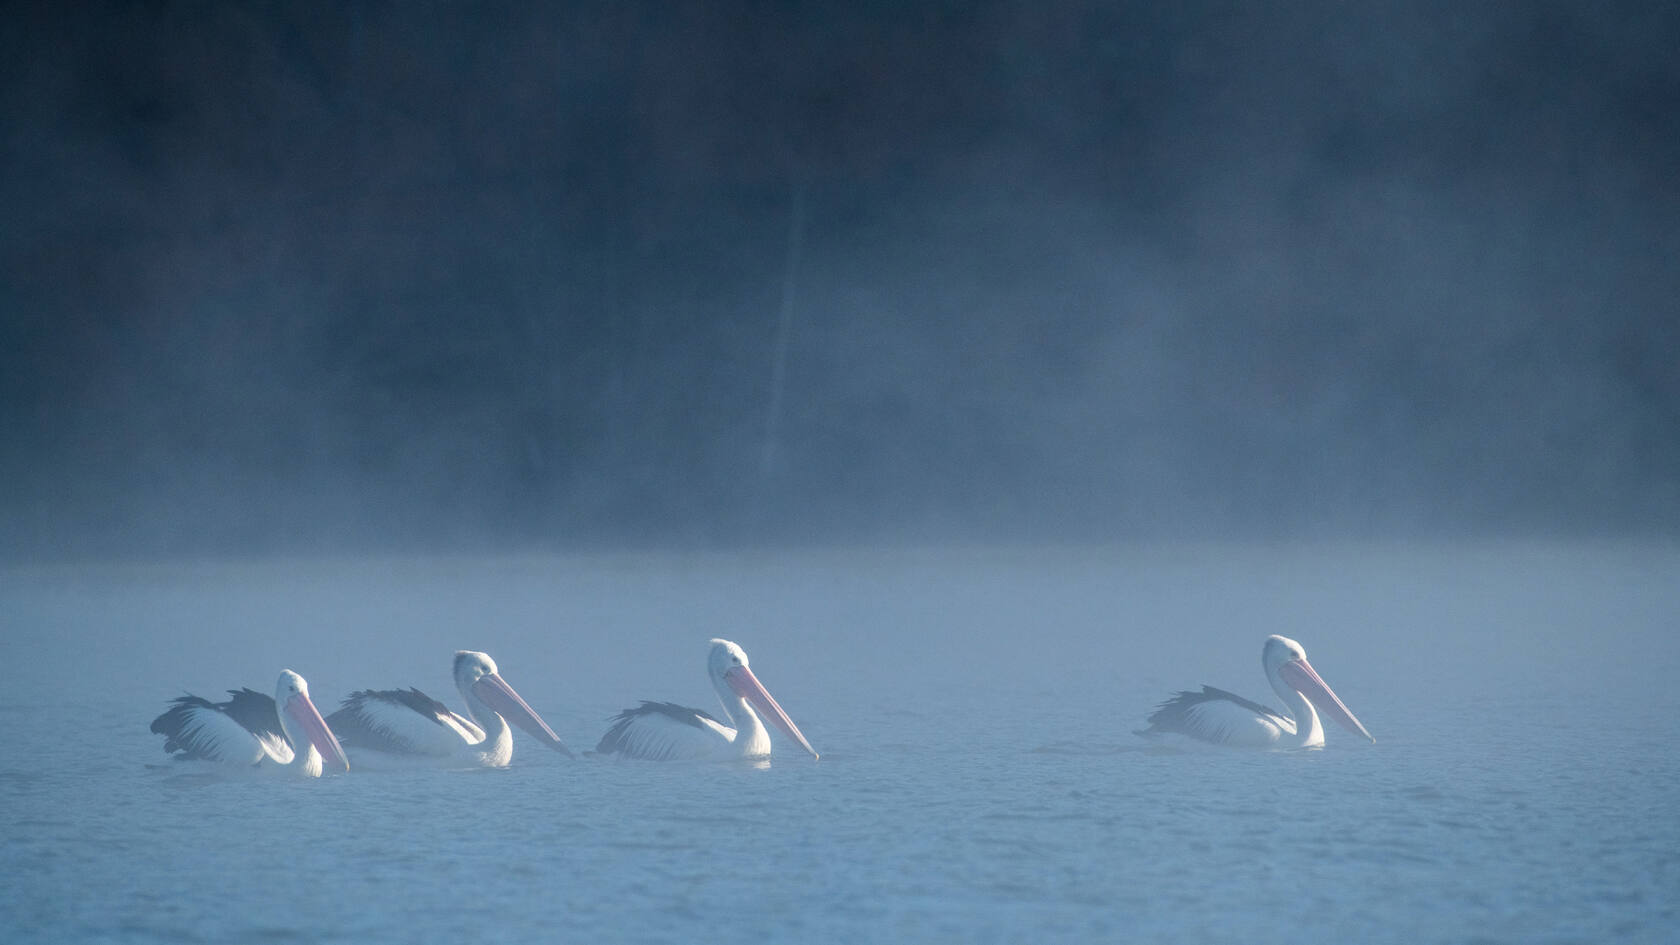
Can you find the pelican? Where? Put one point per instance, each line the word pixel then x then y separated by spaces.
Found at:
pixel 406 724
pixel 253 730
pixel 1214 715
pixel 662 731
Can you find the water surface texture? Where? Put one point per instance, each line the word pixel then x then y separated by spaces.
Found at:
pixel 974 707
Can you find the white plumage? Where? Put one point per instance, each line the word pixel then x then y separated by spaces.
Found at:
pixel 1224 718
pixel 252 730
pixel 406 725
pixel 665 731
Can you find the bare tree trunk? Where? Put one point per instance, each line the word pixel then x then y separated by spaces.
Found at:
pixel 770 460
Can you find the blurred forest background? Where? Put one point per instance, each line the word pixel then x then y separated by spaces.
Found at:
pixel 311 276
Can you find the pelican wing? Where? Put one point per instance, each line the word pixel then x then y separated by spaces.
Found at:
pixel 664 731
pixel 1214 715
pixel 243 730
pixel 401 722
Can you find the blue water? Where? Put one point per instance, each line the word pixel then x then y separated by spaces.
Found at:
pixel 979 782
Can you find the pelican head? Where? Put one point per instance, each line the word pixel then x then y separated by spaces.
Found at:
pixel 471 666
pixel 478 680
pixel 291 684
pixel 302 721
pixel 725 656
pixel 730 672
pixel 1285 662
pixel 1280 650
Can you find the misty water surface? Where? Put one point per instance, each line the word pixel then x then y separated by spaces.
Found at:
pixel 974 709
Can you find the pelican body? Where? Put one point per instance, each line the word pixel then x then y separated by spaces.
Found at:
pixel 388 726
pixel 285 734
pixel 1214 715
pixel 664 731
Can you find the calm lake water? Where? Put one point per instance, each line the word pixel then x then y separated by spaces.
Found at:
pixel 974 707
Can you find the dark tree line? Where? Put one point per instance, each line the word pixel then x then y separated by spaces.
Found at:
pixel 392 274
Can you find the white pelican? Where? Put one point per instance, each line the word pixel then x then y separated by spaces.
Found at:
pixel 662 731
pixel 1214 715
pixel 252 730
pixel 385 725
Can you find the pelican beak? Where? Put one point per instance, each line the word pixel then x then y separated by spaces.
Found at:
pixel 1300 675
pixel 499 696
pixel 308 718
pixel 747 686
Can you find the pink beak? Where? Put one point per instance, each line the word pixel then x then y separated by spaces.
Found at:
pixel 308 718
pixel 498 695
pixel 747 686
pixel 1300 676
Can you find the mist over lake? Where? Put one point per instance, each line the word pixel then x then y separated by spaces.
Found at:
pixel 990 373
pixel 372 277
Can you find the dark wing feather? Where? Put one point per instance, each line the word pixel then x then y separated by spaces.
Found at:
pixel 1209 692
pixel 414 699
pixel 620 737
pixel 176 721
pixel 198 728
pixel 357 721
pixel 1175 714
pixel 255 712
